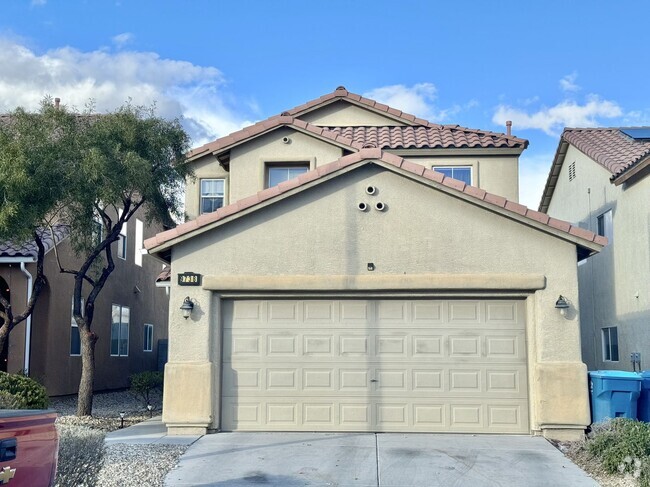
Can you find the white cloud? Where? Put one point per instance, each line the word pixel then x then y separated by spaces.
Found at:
pixel 120 40
pixel 568 83
pixel 533 171
pixel 567 113
pixel 418 100
pixel 178 88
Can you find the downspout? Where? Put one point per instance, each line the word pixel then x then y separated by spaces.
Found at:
pixel 28 323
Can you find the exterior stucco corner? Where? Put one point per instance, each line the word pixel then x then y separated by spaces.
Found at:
pixel 188 398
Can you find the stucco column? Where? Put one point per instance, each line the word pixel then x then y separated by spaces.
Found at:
pixel 189 394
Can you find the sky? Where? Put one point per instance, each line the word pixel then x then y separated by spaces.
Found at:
pixel 222 65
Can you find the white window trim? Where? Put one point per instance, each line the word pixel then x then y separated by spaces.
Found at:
pixel 461 166
pixel 223 196
pixel 284 164
pixel 146 327
pixel 608 226
pixel 139 242
pixel 604 330
pixel 119 334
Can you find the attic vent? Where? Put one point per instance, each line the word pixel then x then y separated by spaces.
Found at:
pixel 572 171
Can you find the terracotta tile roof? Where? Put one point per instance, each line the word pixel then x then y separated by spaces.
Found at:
pixel 419 130
pixel 360 157
pixel 29 249
pixel 426 137
pixel 343 94
pixel 264 126
pixel 609 147
pixel 165 275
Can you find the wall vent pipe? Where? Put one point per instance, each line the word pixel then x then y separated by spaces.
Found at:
pixel 362 206
pixel 371 190
pixel 508 128
pixel 379 206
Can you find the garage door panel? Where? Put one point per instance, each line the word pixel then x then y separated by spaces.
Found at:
pixel 386 365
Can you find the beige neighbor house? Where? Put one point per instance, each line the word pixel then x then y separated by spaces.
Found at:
pixel 366 270
pixel 130 314
pixel 600 179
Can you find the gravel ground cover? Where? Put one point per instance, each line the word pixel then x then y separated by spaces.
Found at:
pixel 123 464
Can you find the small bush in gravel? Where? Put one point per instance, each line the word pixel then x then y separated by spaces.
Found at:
pixel 623 446
pixel 81 455
pixel 144 383
pixel 28 393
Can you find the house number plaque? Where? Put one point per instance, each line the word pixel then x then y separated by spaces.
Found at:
pixel 189 279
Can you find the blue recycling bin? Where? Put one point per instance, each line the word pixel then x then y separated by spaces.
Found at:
pixel 614 394
pixel 644 397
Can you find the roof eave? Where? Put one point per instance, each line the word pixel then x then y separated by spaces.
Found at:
pixel 626 175
pixel 553 175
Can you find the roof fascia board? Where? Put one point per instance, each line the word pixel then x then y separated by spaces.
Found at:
pixel 626 175
pixel 553 175
pixel 17 260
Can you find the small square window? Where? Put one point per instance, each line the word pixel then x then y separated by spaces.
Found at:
pixel 148 338
pixel 280 173
pixel 605 225
pixel 212 194
pixel 610 344
pixel 461 173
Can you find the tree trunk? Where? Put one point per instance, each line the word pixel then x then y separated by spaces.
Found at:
pixel 4 356
pixel 86 385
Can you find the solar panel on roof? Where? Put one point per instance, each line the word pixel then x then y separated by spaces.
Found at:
pixel 640 133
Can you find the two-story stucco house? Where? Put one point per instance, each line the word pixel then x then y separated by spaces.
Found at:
pixel 600 179
pixel 355 268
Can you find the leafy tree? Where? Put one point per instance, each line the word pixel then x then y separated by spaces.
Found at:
pixel 113 166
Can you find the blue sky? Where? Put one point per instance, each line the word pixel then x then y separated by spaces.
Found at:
pixel 222 65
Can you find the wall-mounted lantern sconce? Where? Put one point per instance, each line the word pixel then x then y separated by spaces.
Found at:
pixel 562 305
pixel 187 307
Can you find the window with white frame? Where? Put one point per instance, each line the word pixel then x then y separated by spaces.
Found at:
pixel 147 342
pixel 461 173
pixel 120 331
pixel 610 344
pixel 279 172
pixel 75 338
pixel 605 225
pixel 121 242
pixel 213 192
pixel 139 242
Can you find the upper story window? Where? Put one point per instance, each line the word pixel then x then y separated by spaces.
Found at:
pixel 75 339
pixel 278 173
pixel 121 242
pixel 139 242
pixel 120 331
pixel 605 225
pixel 461 173
pixel 212 194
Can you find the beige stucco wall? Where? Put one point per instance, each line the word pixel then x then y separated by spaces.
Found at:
pixel 495 174
pixel 320 232
pixel 614 284
pixel 344 114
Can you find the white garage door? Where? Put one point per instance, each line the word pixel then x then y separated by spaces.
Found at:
pixel 374 365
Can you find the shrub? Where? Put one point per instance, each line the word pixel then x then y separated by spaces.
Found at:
pixel 143 383
pixel 623 446
pixel 28 393
pixel 8 401
pixel 81 455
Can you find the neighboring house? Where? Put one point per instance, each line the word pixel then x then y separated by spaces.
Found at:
pixel 130 314
pixel 600 179
pixel 343 285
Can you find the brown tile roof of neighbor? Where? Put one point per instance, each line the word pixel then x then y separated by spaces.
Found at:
pixel 609 147
pixel 620 154
pixel 29 249
pixel 268 125
pixel 165 275
pixel 426 137
pixel 389 159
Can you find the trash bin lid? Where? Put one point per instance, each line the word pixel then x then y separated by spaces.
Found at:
pixel 617 374
pixel 645 374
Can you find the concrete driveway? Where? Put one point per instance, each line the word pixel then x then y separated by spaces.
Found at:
pixel 367 459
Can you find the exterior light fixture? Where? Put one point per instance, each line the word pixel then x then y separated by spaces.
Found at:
pixel 562 305
pixel 150 408
pixel 187 307
pixel 122 414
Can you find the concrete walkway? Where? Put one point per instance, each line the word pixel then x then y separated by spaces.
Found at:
pixel 147 432
pixel 371 460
